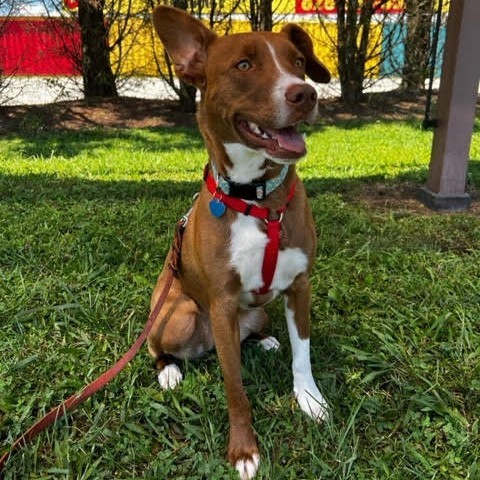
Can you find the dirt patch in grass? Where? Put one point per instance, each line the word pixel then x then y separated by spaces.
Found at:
pixel 122 112
pixel 127 112
pixel 392 106
pixel 399 197
pixel 385 197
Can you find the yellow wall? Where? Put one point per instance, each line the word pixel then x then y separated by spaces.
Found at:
pixel 141 49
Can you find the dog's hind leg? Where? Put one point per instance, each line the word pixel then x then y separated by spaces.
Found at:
pixel 179 332
pixel 169 373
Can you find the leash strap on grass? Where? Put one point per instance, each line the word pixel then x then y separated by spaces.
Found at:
pixel 75 400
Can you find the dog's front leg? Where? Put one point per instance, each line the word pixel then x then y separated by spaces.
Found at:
pixel 242 448
pixel 297 312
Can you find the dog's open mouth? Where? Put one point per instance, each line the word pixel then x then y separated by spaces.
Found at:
pixel 285 142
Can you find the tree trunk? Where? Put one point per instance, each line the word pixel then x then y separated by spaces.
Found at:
pixel 417 44
pixel 187 97
pixel 266 15
pixel 354 20
pixel 261 15
pixel 350 71
pixel 98 78
pixel 186 92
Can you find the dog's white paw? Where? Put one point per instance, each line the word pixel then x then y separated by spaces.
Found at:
pixel 311 401
pixel 247 468
pixel 269 343
pixel 170 377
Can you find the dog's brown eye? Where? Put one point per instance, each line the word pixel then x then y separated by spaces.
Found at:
pixel 244 65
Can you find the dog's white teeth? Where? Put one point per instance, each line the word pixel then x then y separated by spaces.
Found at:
pixel 258 131
pixel 254 128
pixel 266 135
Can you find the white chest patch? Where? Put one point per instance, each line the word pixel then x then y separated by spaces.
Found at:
pixel 247 249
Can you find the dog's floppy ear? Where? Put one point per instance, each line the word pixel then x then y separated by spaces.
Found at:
pixel 186 40
pixel 315 69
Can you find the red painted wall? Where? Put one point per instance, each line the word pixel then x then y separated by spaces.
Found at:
pixel 38 46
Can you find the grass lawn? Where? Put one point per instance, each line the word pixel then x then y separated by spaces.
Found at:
pixel 86 219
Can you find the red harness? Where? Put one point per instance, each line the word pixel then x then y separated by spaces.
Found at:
pixel 273 225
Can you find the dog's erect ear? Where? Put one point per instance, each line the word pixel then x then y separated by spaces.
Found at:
pixel 186 40
pixel 315 69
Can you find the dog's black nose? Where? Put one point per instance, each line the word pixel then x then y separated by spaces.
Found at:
pixel 301 95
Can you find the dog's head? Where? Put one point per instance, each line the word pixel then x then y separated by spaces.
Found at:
pixel 253 89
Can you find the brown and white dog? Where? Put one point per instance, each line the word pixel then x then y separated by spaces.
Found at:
pixel 250 235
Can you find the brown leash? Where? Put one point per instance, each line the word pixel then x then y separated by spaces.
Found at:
pixel 69 404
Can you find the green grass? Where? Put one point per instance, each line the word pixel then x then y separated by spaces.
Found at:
pixel 85 223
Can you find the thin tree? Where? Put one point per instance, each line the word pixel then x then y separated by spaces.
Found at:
pixel 260 15
pixel 354 26
pixel 358 51
pixel 104 26
pixel 419 14
pixel 97 74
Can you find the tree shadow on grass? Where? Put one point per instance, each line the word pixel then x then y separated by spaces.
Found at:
pixel 32 188
pixel 69 144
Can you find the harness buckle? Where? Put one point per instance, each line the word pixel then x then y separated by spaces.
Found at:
pixel 279 219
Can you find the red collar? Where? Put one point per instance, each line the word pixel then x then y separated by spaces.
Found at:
pixel 220 201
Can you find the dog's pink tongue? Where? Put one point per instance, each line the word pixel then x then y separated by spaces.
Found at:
pixel 289 139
